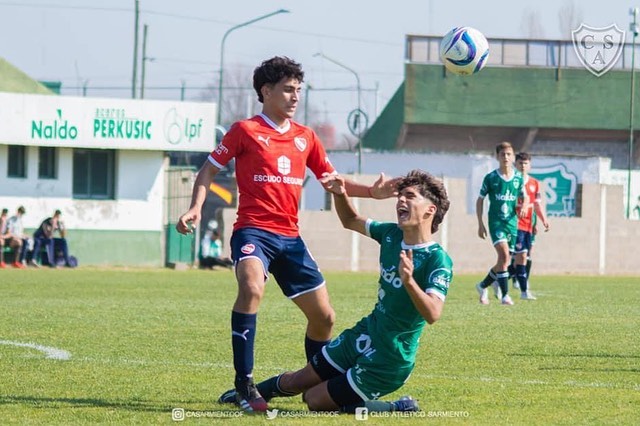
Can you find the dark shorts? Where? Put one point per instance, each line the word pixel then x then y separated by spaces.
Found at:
pixel 287 258
pixel 523 242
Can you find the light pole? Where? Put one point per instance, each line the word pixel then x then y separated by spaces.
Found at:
pixel 224 38
pixel 145 58
pixel 134 78
pixel 633 27
pixel 357 117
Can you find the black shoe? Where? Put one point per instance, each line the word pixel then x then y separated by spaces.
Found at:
pixel 229 397
pixel 248 397
pixel 406 403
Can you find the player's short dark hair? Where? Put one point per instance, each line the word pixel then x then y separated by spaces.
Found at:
pixel 430 187
pixel 57 213
pixel 523 156
pixel 5 211
pixel 273 70
pixel 22 210
pixel 502 146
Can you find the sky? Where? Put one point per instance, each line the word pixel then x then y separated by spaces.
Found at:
pixel 90 43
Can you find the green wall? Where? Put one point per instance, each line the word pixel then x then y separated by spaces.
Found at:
pixel 520 97
pixel 116 248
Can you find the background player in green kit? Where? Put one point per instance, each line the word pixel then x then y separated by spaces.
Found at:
pixel 376 356
pixel 502 186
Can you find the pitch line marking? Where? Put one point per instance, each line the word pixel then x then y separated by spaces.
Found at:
pixel 50 352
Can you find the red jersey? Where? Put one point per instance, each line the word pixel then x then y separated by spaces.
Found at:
pixel 270 168
pixel 532 189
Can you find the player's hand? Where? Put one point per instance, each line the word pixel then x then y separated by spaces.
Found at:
pixel 482 231
pixel 384 188
pixel 333 183
pixel 547 226
pixel 406 265
pixel 188 221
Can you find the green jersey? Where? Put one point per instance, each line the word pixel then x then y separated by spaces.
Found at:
pixel 503 195
pixel 395 324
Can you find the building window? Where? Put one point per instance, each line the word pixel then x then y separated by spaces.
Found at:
pixel 47 162
pixel 93 173
pixel 17 165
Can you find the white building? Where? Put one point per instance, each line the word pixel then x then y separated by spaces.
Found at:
pixel 104 164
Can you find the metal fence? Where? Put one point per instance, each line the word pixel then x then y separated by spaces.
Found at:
pixel 514 52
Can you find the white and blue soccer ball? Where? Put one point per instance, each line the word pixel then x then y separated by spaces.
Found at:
pixel 464 50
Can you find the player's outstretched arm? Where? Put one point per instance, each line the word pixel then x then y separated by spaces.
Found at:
pixel 429 305
pixel 191 217
pixel 381 188
pixel 348 215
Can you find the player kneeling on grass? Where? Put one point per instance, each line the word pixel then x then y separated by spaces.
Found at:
pixel 377 355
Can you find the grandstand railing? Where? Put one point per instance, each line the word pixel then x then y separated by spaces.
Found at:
pixel 514 52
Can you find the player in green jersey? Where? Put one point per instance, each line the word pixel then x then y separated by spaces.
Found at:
pixel 502 187
pixel 377 355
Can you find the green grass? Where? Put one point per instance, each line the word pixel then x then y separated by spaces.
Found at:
pixel 146 341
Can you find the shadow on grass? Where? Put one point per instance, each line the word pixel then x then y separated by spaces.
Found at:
pixel 603 370
pixel 576 355
pixel 132 405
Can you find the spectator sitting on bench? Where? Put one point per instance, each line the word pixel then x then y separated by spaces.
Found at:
pixel 211 249
pixel 43 237
pixel 3 231
pixel 13 236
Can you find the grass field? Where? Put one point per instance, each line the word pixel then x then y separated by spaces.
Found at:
pixel 142 343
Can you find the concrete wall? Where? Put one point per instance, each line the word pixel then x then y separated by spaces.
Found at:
pixel 602 241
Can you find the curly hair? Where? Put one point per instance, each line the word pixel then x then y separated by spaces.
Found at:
pixel 273 70
pixel 431 188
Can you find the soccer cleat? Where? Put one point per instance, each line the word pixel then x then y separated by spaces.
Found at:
pixel 406 403
pixel 229 397
pixel 506 300
pixel 3 265
pixel 33 264
pixel 526 295
pixel 18 265
pixel 484 297
pixel 497 291
pixel 248 398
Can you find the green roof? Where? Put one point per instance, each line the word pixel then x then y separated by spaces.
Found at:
pixel 14 80
pixel 384 132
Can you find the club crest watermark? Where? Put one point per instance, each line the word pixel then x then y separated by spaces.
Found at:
pixel 598 49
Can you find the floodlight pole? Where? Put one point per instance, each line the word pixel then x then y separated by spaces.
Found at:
pixel 224 38
pixel 340 64
pixel 633 27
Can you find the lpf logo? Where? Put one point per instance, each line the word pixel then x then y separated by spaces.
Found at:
pixel 598 48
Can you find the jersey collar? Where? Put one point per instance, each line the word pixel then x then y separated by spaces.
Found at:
pixel 282 130
pixel 426 245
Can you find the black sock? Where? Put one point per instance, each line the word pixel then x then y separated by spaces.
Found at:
pixel 373 406
pixel 521 275
pixel 270 388
pixel 512 270
pixel 489 279
pixel 503 281
pixel 528 267
pixel 312 347
pixel 243 333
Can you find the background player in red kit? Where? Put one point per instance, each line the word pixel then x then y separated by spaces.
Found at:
pixel 272 153
pixel 526 222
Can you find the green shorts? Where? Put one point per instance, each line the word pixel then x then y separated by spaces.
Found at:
pixel 504 231
pixel 371 373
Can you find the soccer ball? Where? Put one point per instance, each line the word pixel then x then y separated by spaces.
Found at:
pixel 464 50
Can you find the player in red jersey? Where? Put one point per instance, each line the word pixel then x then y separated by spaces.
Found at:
pixel 272 153
pixel 526 223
